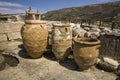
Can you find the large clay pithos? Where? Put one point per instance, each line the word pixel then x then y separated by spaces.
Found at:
pixel 86 52
pixel 61 40
pixel 34 35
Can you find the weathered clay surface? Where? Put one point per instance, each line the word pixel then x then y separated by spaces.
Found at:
pixel 61 40
pixel 46 68
pixel 34 35
pixel 85 52
pixel 61 48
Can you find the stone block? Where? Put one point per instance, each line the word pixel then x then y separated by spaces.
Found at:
pixel 15 35
pixel 10 27
pixel 16 27
pixel 2 28
pixel 3 37
pixel 110 46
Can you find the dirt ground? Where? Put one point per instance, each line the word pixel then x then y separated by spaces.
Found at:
pixel 45 68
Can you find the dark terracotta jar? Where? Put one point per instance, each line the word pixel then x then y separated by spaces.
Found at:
pixel 86 52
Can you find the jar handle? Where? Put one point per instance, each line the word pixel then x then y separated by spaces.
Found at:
pixel 98 46
pixel 41 26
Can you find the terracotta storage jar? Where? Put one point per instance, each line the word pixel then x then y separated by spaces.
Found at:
pixel 86 52
pixel 34 34
pixel 61 40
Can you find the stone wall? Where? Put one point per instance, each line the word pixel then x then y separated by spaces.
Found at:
pixel 110 45
pixel 10 30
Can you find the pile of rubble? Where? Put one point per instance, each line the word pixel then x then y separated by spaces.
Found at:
pixel 92 32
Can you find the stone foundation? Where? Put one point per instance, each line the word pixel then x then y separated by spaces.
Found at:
pixel 14 35
pixel 3 37
pixel 110 46
pixel 10 30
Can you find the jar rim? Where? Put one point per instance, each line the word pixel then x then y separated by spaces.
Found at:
pixel 87 41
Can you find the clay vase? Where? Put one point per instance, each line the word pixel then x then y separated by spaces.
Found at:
pixel 86 52
pixel 61 40
pixel 34 34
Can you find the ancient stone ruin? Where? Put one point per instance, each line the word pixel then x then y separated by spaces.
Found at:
pixel 54 50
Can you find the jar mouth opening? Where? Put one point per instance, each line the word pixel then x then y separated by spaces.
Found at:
pixel 89 41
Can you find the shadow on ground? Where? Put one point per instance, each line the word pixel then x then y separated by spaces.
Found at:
pixel 49 55
pixel 22 53
pixel 7 60
pixel 69 64
pixel 118 78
